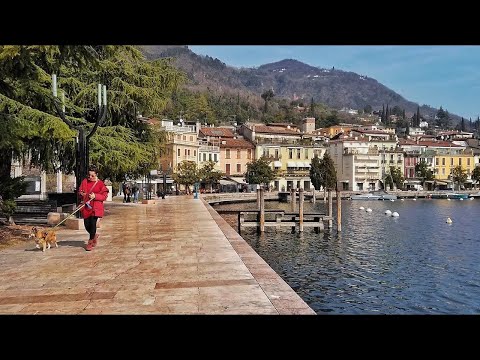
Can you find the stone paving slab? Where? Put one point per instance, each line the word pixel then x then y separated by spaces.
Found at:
pixel 175 257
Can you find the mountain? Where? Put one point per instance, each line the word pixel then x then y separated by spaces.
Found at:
pixel 288 78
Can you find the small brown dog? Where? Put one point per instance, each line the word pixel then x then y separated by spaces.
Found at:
pixel 43 238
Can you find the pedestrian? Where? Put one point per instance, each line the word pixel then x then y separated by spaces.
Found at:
pixel 135 191
pixel 124 189
pixel 93 193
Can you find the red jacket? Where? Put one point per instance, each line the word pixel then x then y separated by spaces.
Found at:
pixel 101 194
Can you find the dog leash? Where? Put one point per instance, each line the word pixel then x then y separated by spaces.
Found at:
pixel 86 203
pixel 76 210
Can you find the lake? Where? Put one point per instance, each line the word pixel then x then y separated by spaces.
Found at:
pixel 378 264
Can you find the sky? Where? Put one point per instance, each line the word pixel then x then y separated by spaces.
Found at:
pixel 447 76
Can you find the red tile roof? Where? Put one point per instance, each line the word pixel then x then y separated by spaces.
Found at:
pixel 217 132
pixel 274 130
pixel 236 143
pixel 438 144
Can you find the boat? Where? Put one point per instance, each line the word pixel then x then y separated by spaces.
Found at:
pixel 475 195
pixel 374 195
pixel 449 195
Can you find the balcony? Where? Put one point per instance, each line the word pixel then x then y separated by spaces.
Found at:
pixel 209 148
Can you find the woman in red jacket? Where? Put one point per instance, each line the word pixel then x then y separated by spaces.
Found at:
pixel 93 193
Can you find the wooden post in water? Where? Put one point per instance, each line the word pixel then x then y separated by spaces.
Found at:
pixel 314 197
pixel 330 208
pixel 262 210
pixel 339 211
pixel 294 199
pixel 300 212
pixel 258 197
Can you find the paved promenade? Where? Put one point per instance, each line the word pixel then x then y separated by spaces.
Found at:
pixel 174 257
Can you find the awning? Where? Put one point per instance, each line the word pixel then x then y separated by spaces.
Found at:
pixel 227 182
pixel 237 179
pixel 291 164
pixel 277 164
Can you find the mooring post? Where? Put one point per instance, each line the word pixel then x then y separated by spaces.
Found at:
pixel 300 211
pixel 294 199
pixel 330 208
pixel 339 211
pixel 258 197
pixel 262 210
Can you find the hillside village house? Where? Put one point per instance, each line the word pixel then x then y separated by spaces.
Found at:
pixel 290 150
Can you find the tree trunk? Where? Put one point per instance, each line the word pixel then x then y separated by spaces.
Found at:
pixel 5 163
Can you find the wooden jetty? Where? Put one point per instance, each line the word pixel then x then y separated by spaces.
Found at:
pixel 280 218
pixel 262 218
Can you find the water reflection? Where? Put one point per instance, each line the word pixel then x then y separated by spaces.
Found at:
pixel 413 264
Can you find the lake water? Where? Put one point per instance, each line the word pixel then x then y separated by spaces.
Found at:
pixel 413 264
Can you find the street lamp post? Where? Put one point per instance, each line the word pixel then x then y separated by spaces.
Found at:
pixel 82 139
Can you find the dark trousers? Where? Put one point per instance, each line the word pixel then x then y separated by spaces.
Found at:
pixel 91 225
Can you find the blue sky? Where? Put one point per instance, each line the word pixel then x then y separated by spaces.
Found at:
pixel 433 75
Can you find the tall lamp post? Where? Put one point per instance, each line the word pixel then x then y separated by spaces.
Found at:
pixel 82 139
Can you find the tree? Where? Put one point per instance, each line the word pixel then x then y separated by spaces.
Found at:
pixel 267 96
pixel 396 176
pixel 462 125
pixel 316 170
pixel 312 108
pixel 459 175
pixel 260 172
pixel 209 175
pixel 442 118
pixel 422 171
pixel 186 174
pixel 368 109
pixel 476 175
pixel 396 110
pixel 417 123
pixel 323 173
pixel 134 85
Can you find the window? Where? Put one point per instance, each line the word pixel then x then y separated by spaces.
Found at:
pixel 265 152
pixel 298 153
pixel 204 157
pixel 276 153
pixel 227 169
pixel 468 161
pixel 443 161
pixel 239 168
pixel 451 161
pixel 437 161
pixel 184 138
pixel 178 152
pixel 209 157
pixel 227 155
pixel 185 152
pixel 290 153
pixel 215 157
pixel 249 154
pixel 306 153
pixel 460 161
pixel 238 154
pixel 188 152
pixel 195 153
pixel 191 138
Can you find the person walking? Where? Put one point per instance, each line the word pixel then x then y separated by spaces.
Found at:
pixel 93 193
